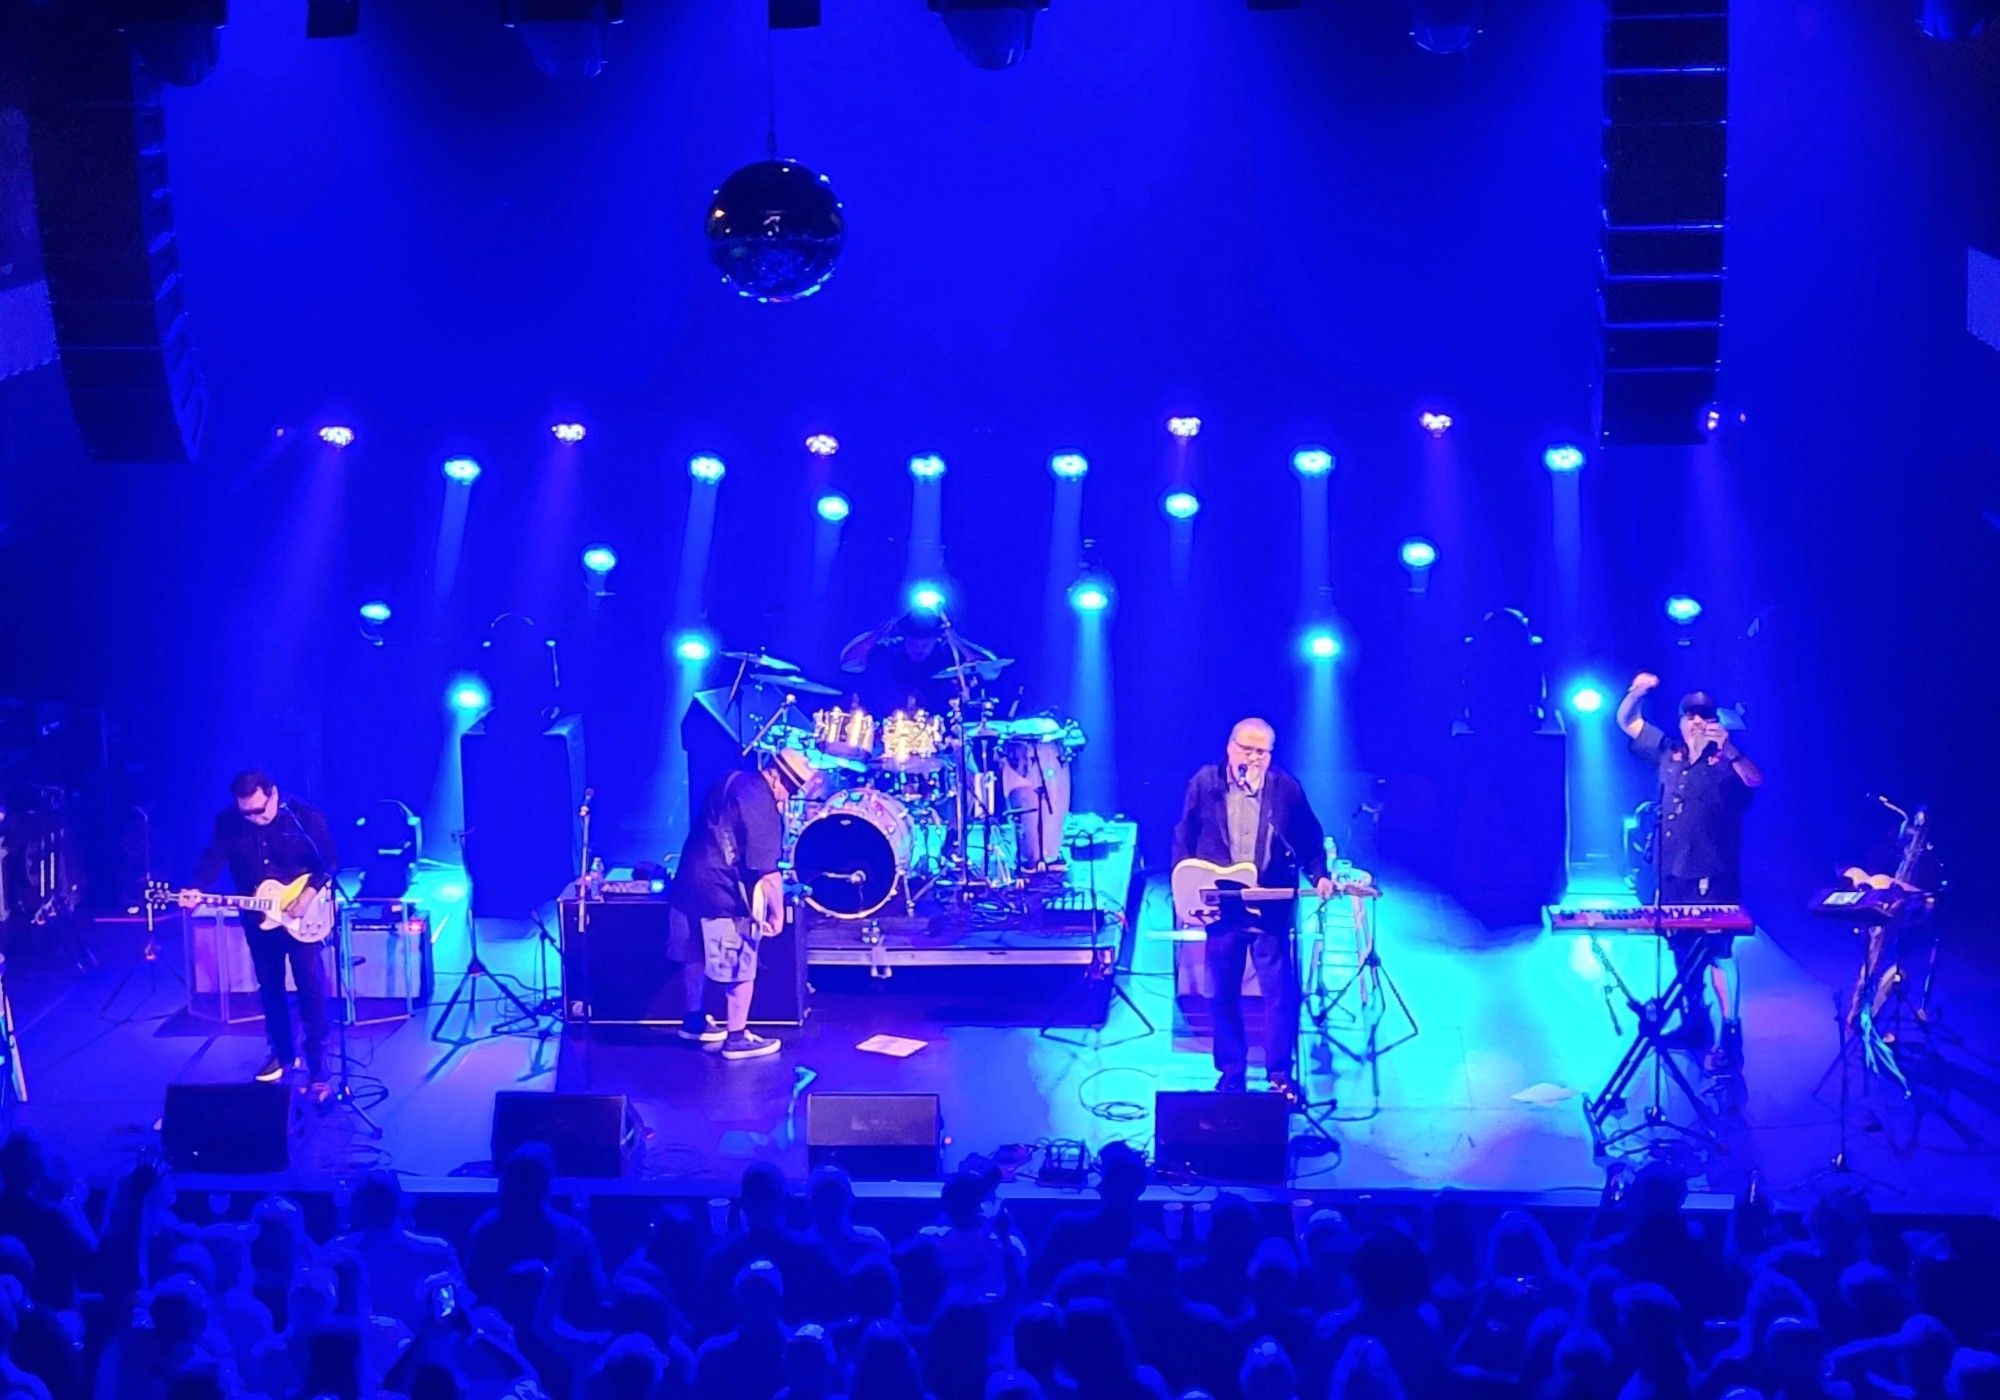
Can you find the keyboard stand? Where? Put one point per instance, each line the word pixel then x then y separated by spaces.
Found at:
pixel 1649 1046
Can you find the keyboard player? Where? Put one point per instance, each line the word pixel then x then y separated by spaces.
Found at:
pixel 1705 787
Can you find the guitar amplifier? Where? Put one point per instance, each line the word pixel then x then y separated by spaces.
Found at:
pixel 388 946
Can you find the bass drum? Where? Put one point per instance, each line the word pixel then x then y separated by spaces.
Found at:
pixel 854 853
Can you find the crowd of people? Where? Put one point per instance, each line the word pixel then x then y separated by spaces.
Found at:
pixel 790 1295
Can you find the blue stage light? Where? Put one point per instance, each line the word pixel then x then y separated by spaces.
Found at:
pixel 693 647
pixel 600 559
pixel 822 444
pixel 1181 505
pixel 706 468
pixel 1683 609
pixel 1069 466
pixel 568 432
pixel 1090 595
pixel 1563 457
pixel 1418 553
pixel 926 597
pixel 833 507
pixel 1321 644
pixel 1312 461
pixel 927 467
pixel 334 435
pixel 1184 427
pixel 463 470
pixel 1586 699
pixel 375 611
pixel 469 695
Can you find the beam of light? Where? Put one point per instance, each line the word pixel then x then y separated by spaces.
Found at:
pixel 822 444
pixel 1436 424
pixel 925 556
pixel 1184 427
pixel 1563 457
pixel 832 507
pixel 600 559
pixel 1180 505
pixel 1321 741
pixel 673 803
pixel 1683 609
pixel 568 432
pixel 1418 553
pixel 462 470
pixel 927 597
pixel 336 435
pixel 1586 699
pixel 1065 562
pixel 1090 595
pixel 1093 703
pixel 693 647
pixel 469 696
pixel 706 468
pixel 927 467
pixel 375 611
pixel 1312 461
pixel 1596 834
pixel 1321 644
pixel 1069 466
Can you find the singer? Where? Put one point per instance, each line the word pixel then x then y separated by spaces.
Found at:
pixel 262 836
pixel 1705 787
pixel 728 896
pixel 1245 809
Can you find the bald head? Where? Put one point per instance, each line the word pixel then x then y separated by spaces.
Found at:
pixel 1249 750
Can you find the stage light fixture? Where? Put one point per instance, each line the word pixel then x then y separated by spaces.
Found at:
pixel 335 435
pixel 462 470
pixel 833 507
pixel 1563 457
pixel 1683 609
pixel 1445 26
pixel 1090 594
pixel 693 647
pixel 1180 505
pixel 179 41
pixel 1711 419
pixel 568 432
pixel 1312 461
pixel 1954 20
pixel 1436 424
pixel 928 467
pixel 1069 466
pixel 822 444
pixel 991 34
pixel 927 597
pixel 1418 553
pixel 1586 699
pixel 792 14
pixel 375 611
pixel 332 19
pixel 566 38
pixel 706 469
pixel 1322 644
pixel 1184 427
pixel 600 559
pixel 469 695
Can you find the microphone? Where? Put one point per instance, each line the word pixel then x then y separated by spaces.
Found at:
pixel 1243 773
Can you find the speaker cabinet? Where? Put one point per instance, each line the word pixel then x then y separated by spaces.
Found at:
pixel 879 1137
pixel 1224 1137
pixel 615 969
pixel 521 794
pixel 227 1128
pixel 587 1132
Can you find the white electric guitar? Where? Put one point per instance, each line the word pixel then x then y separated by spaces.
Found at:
pixel 1201 888
pixel 310 922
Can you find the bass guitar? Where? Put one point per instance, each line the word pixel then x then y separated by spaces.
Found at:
pixel 309 921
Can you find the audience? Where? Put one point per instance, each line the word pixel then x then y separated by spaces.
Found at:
pixel 797 1299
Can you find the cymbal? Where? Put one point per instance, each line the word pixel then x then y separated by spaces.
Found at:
pixel 996 663
pixel 795 683
pixel 761 661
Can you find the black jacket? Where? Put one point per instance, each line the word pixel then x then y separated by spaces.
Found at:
pixel 1289 836
pixel 298 841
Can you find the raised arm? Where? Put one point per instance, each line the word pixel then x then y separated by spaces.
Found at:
pixel 1629 718
pixel 854 656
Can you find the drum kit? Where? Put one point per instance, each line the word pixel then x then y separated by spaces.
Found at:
pixel 967 804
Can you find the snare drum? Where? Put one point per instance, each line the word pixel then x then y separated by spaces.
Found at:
pixel 853 854
pixel 911 741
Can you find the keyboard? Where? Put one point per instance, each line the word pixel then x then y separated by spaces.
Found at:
pixel 1656 918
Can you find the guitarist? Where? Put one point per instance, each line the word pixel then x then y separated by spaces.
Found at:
pixel 263 836
pixel 1705 786
pixel 1244 809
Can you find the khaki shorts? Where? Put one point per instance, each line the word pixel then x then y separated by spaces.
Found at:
pixel 726 948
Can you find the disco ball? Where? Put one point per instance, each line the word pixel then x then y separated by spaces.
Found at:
pixel 775 229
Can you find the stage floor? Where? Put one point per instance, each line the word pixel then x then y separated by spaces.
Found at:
pixel 1514 1032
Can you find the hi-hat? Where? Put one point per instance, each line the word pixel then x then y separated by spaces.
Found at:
pixel 761 661
pixel 974 663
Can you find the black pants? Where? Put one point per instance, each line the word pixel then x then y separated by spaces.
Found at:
pixel 270 949
pixel 1271 952
pixel 1704 889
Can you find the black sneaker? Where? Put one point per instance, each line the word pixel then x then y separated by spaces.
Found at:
pixel 701 1030
pixel 271 1072
pixel 748 1045
pixel 1231 1082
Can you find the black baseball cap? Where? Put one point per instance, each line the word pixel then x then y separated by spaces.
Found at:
pixel 1700 702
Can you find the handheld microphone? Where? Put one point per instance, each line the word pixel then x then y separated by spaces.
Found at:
pixel 1242 772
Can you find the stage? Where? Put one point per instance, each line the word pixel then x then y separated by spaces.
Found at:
pixel 1487 1098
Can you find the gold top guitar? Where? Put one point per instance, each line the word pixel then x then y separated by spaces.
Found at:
pixel 310 922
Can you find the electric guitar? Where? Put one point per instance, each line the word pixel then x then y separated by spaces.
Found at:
pixel 1200 888
pixel 310 922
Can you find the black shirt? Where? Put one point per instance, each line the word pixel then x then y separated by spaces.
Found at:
pixel 1701 810
pixel 894 680
pixel 736 843
pixel 1289 837
pixel 296 842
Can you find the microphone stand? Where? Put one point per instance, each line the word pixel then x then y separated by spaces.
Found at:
pixel 343 1090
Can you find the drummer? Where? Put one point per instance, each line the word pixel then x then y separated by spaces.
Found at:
pixel 904 664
